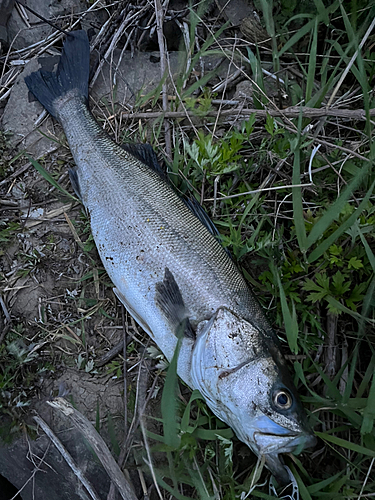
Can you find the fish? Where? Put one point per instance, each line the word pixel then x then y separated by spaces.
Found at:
pixel 172 274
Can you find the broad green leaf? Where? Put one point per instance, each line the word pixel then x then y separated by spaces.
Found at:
pixel 355 263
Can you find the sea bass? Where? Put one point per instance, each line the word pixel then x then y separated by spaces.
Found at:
pixel 169 270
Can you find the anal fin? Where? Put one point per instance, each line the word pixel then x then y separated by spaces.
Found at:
pixel 131 311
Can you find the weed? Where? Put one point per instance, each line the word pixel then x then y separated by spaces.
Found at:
pixel 302 231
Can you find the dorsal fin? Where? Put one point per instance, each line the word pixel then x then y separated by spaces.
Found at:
pixel 145 154
pixel 202 215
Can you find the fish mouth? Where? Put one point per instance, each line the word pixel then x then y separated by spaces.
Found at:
pixel 272 445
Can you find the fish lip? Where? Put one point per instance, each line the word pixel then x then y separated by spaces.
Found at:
pixel 293 441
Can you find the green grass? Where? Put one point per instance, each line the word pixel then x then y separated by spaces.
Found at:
pixel 307 251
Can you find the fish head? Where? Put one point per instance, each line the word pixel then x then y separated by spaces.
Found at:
pixel 240 371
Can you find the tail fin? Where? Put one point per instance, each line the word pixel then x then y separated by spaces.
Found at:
pixel 72 73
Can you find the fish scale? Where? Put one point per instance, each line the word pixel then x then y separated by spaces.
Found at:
pixel 173 276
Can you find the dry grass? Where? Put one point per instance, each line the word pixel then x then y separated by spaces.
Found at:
pixel 270 197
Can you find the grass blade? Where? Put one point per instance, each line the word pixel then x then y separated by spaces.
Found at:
pixel 369 252
pixel 186 416
pixel 312 63
pixel 169 402
pixel 335 209
pixel 290 319
pixel 48 177
pixel 322 11
pixel 329 217
pixel 356 448
pixel 299 221
pixel 369 412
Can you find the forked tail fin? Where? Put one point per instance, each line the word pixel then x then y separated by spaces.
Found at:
pixel 72 73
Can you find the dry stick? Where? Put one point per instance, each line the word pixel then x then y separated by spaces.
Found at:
pixel 291 112
pixel 135 421
pixel 42 18
pixel 331 348
pixel 68 458
pixel 260 190
pixel 142 391
pixel 253 83
pixel 111 493
pixel 125 368
pixel 223 85
pixel 329 144
pixel 31 478
pixel 351 62
pixel 114 351
pixel 124 453
pixel 111 48
pixel 163 70
pixel 98 445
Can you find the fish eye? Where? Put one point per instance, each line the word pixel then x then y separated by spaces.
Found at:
pixel 282 399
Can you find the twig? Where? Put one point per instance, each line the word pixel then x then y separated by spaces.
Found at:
pixel 42 18
pixel 291 112
pixel 366 479
pixel 331 348
pixel 98 445
pixel 135 421
pixel 125 369
pixel 163 70
pixel 124 343
pixel 116 37
pixel 142 391
pixel 103 360
pixel 7 326
pixel 261 190
pixel 68 458
pixel 31 478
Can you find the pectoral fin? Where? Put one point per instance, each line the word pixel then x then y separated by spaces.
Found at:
pixel 131 311
pixel 169 299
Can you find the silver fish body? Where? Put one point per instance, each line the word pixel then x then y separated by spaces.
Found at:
pixel 168 268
